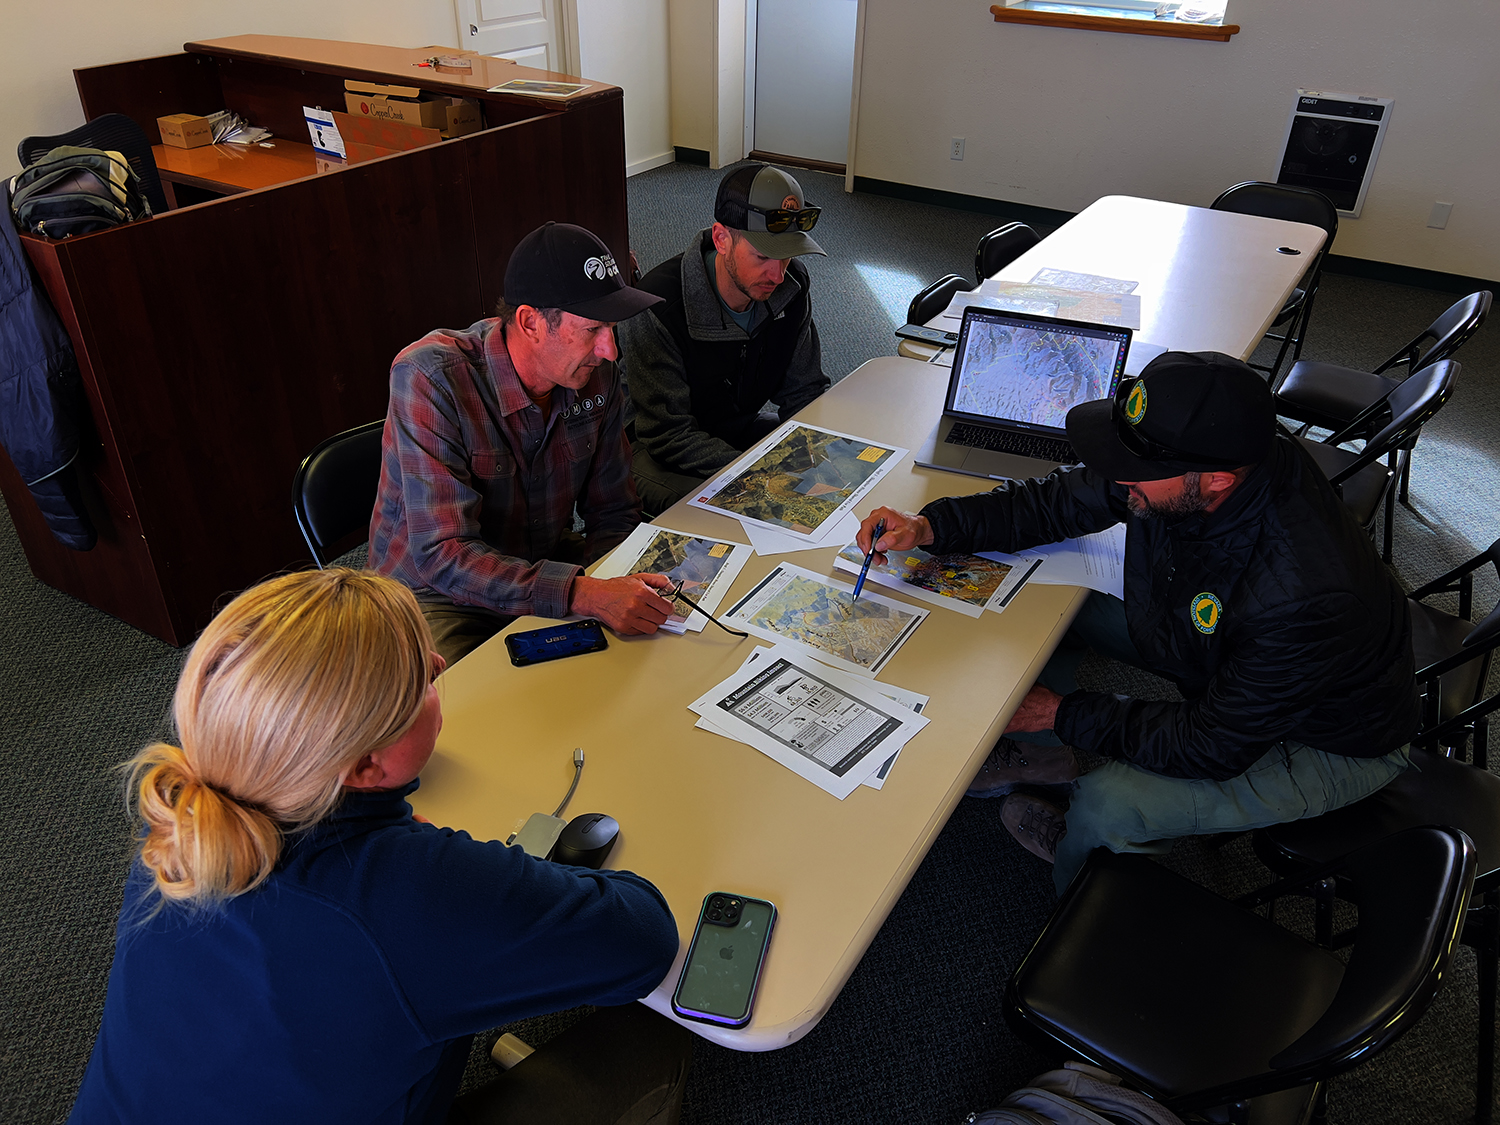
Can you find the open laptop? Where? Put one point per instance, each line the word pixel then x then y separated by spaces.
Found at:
pixel 1015 377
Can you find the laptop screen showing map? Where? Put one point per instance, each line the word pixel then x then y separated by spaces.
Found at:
pixel 1027 371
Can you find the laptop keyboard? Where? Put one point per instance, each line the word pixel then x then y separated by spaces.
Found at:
pixel 1008 441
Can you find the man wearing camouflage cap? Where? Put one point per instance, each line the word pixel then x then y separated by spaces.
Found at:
pixel 734 330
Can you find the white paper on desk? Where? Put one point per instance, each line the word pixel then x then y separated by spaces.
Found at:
pixel 911 700
pixel 798 480
pixel 967 584
pixel 820 616
pixel 834 734
pixel 705 567
pixel 1120 309
pixel 324 133
pixel 1096 561
pixel 768 541
pixel 1088 282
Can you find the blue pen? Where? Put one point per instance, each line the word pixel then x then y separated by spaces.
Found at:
pixel 864 570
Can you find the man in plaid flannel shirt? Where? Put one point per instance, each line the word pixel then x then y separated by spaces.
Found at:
pixel 492 436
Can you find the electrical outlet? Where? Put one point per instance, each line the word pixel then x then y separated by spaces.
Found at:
pixel 1438 220
pixel 957 151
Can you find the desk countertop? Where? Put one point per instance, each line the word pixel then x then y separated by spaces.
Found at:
pixel 396 65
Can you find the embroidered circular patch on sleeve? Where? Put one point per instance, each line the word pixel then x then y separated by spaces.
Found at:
pixel 1206 612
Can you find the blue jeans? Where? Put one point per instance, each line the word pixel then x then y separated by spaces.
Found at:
pixel 1128 809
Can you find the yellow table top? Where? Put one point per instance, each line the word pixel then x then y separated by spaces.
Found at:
pixel 701 813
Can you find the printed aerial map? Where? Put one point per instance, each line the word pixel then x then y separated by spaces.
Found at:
pixel 823 617
pixel 1024 375
pixel 802 480
pixel 965 578
pixel 693 562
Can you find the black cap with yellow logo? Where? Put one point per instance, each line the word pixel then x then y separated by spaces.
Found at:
pixel 1187 412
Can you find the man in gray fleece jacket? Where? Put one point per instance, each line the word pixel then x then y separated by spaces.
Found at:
pixel 734 330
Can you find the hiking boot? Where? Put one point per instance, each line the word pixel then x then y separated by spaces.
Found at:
pixel 1036 823
pixel 1013 763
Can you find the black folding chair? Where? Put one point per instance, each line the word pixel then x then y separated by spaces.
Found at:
pixel 1437 790
pixel 934 299
pixel 1453 661
pixel 1331 397
pixel 334 490
pixel 1296 205
pixel 1000 248
pixel 1359 479
pixel 113 132
pixel 1204 1004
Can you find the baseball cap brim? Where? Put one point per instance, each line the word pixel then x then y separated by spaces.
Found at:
pixel 787 244
pixel 622 304
pixel 1091 430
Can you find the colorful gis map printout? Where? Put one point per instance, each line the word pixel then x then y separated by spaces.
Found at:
pixel 806 609
pixel 1032 375
pixel 800 479
pixel 969 584
pixel 705 567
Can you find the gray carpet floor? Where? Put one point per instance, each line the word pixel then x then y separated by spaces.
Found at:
pixel 916 1035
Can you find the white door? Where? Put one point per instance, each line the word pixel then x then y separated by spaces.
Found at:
pixel 804 77
pixel 523 30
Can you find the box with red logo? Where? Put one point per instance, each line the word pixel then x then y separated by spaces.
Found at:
pixel 410 105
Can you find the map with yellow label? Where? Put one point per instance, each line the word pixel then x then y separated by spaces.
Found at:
pixel 801 481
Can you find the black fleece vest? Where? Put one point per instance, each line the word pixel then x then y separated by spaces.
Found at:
pixel 730 380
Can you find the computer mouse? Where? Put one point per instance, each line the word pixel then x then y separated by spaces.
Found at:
pixel 587 840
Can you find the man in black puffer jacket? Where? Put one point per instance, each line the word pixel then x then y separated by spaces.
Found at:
pixel 1247 584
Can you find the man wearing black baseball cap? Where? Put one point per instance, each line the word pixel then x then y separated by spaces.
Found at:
pixel 495 433
pixel 1247 585
pixel 733 331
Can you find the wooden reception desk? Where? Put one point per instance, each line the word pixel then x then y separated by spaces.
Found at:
pixel 221 341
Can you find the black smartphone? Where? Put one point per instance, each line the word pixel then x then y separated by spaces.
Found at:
pixel 927 335
pixel 723 965
pixel 555 641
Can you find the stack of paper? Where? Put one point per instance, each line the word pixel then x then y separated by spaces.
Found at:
pixel 798 489
pixel 705 567
pixel 836 730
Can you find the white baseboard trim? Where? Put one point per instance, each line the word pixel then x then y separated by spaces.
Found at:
pixel 650 162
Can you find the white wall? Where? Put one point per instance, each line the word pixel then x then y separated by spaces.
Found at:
pixel 37 95
pixel 625 43
pixel 1056 117
pixel 694 74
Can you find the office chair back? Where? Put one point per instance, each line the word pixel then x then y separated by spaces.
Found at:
pixel 1413 892
pixel 334 490
pixel 1445 335
pixel 110 131
pixel 1001 247
pixel 934 299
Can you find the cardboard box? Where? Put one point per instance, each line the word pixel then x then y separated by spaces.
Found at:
pixel 453 117
pixel 185 130
pixel 368 137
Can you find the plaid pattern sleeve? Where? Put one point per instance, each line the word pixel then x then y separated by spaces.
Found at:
pixel 477 490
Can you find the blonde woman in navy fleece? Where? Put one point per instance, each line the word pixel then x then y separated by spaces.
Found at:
pixel 295 946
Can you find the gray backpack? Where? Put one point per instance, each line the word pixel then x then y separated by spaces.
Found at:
pixel 76 190
pixel 1078 1094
